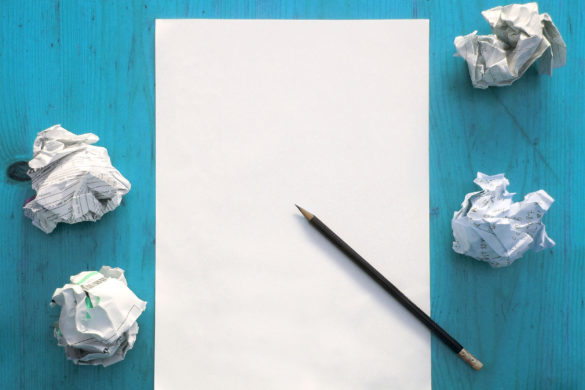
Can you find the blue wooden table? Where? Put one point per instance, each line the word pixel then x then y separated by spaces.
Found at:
pixel 89 65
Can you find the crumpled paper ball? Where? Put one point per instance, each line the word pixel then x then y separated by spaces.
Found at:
pixel 97 325
pixel 520 37
pixel 491 227
pixel 74 180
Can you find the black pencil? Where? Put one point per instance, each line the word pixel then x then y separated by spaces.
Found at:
pixel 391 289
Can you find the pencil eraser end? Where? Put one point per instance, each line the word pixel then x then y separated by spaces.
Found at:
pixel 470 359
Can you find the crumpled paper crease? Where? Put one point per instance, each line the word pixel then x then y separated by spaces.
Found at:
pixel 491 227
pixel 520 37
pixel 73 179
pixel 97 325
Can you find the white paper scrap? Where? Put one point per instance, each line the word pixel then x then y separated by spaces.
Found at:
pixel 74 180
pixel 520 37
pixel 491 227
pixel 98 317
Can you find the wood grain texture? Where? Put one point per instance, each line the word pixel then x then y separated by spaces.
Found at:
pixel 90 66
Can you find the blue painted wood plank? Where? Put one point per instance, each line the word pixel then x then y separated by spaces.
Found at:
pixel 90 66
pixel 525 322
pixel 85 65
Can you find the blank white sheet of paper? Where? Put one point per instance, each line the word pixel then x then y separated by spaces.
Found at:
pixel 253 116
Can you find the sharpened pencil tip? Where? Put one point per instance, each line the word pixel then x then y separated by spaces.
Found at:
pixel 305 213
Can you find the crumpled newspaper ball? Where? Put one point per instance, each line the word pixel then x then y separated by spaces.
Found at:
pixel 491 227
pixel 74 180
pixel 97 325
pixel 520 37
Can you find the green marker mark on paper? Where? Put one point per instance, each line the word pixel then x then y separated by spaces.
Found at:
pixel 89 305
pixel 87 277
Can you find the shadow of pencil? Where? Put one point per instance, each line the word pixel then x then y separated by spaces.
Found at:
pixel 382 298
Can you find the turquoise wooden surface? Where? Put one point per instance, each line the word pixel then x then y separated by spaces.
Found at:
pixel 89 65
